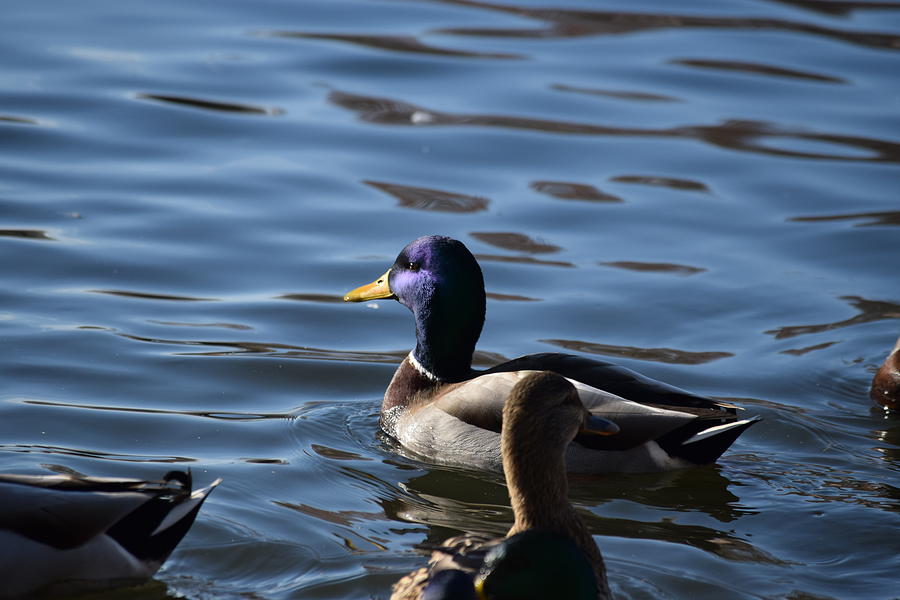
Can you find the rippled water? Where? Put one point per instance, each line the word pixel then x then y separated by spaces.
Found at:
pixel 705 191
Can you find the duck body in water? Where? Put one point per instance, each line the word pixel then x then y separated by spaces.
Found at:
pixel 437 406
pixel 64 533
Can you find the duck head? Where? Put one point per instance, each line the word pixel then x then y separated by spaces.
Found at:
pixel 536 565
pixel 439 280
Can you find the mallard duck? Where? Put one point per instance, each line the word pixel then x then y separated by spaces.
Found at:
pixel 440 408
pixel 886 384
pixel 548 550
pixel 70 531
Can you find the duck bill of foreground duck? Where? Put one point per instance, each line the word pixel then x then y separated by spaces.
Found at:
pixel 441 409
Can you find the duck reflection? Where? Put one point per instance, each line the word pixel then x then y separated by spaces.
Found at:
pixel 889 447
pixel 450 501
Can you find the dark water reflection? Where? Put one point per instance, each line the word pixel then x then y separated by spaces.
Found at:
pixel 211 104
pixel 572 191
pixel 870 219
pixel 750 136
pixel 397 43
pixel 706 194
pixel 419 198
pixel 576 23
pixel 517 242
pixel 647 267
pixel 749 67
pixel 665 355
pixel 625 95
pixel 869 311
pixel 27 234
pixel 669 182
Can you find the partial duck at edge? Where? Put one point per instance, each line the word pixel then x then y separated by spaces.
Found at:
pixel 885 389
pixel 62 533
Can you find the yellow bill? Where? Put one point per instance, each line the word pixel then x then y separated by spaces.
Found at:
pixel 377 290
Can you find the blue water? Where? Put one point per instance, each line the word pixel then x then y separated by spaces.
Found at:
pixel 706 192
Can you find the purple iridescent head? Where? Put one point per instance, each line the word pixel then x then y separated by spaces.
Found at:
pixel 439 280
pixel 432 268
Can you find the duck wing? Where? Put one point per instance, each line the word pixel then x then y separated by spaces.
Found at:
pixel 450 569
pixel 615 379
pixel 479 402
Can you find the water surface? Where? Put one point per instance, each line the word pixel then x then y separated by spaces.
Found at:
pixel 706 192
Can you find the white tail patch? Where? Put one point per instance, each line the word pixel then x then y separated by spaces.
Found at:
pixel 180 511
pixel 716 430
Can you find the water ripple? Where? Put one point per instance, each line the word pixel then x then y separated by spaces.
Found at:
pixel 222 415
pixel 26 234
pixel 653 267
pixel 212 105
pixel 868 219
pixel 235 326
pixel 395 43
pixel 869 311
pixel 674 183
pixel 621 94
pixel 578 23
pixel 756 68
pixel 517 242
pixel 808 349
pixel 323 298
pixel 510 297
pixel 82 452
pixel 420 198
pixel 841 7
pixel 151 296
pixel 734 134
pixel 663 355
pixel 566 190
pixel 525 260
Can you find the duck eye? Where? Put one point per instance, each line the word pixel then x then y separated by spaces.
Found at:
pixel 412 266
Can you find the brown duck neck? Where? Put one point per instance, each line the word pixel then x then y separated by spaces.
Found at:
pixel 408 387
pixel 538 489
pixel 539 494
